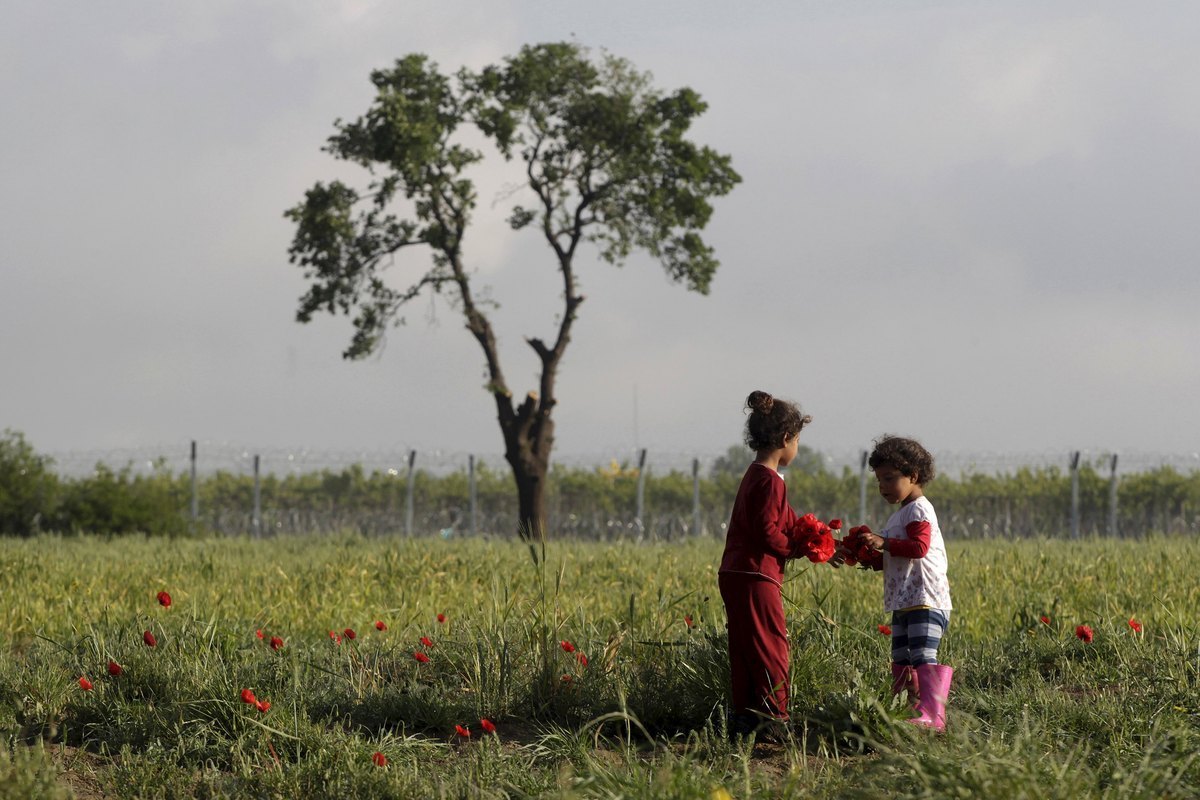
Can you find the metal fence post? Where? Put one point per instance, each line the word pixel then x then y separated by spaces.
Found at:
pixel 1075 495
pixel 472 494
pixel 1112 498
pixel 696 524
pixel 408 502
pixel 195 496
pixel 256 520
pixel 862 489
pixel 639 519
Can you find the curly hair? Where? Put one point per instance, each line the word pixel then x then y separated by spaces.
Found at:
pixel 908 456
pixel 772 421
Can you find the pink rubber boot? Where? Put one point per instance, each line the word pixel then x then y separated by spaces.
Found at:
pixel 904 678
pixel 934 683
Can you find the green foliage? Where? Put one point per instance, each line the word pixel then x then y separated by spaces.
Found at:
pixel 28 489
pixel 121 502
pixel 596 503
pixel 28 773
pixel 606 159
pixel 734 460
pixel 595 132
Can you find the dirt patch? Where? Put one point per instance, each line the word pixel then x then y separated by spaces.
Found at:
pixel 79 771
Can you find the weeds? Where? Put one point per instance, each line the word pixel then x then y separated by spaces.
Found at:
pixel 635 707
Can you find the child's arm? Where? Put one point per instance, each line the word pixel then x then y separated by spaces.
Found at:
pixel 771 522
pixel 916 545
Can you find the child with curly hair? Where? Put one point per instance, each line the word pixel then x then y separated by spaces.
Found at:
pixel 759 540
pixel 912 554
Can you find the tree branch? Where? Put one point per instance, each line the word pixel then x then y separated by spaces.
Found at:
pixel 477 322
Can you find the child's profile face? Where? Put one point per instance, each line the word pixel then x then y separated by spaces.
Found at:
pixel 791 446
pixel 895 486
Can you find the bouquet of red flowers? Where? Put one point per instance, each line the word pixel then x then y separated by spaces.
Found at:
pixel 857 551
pixel 813 538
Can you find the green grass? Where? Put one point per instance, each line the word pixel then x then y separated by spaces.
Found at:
pixel 1035 712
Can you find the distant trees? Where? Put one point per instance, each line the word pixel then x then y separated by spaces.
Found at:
pixel 28 489
pixel 34 499
pixel 736 457
pixel 595 502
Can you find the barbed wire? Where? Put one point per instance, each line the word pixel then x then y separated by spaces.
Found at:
pixel 212 457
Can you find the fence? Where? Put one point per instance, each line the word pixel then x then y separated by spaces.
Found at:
pixel 211 456
pixel 236 490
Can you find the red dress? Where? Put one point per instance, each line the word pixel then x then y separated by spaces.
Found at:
pixel 751 575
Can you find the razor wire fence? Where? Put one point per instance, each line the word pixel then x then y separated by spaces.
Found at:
pixel 223 456
pixel 239 490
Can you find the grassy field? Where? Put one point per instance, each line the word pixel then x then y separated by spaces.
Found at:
pixel 635 710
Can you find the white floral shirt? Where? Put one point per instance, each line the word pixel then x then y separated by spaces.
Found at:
pixel 915 582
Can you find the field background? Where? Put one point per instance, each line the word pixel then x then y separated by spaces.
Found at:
pixel 1035 712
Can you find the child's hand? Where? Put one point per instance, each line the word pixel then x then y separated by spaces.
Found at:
pixel 872 541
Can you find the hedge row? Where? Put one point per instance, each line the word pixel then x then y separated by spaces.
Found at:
pixel 595 503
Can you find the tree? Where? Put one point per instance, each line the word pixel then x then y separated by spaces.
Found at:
pixel 732 462
pixel 736 457
pixel 28 489
pixel 606 161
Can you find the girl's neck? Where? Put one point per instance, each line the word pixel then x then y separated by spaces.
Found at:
pixel 769 459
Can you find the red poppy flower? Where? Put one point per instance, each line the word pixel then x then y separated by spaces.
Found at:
pixel 114 668
pixel 463 732
pixel 807 525
pixel 425 640
pixel 566 646
pixel 164 599
pixel 1137 626
pixel 259 634
pixel 248 697
pixel 812 539
pixel 276 643
pixel 835 524
pixel 379 626
pixel 566 679
pixel 441 618
pixel 149 639
pixel 419 656
pixel 1045 620
pixel 263 705
pixel 820 549
pixel 886 630
pixel 85 684
pixel 687 620
pixel 582 659
pixel 487 725
pixel 336 637
pixel 350 634
pixel 857 551
pixel 1084 632
pixel 379 759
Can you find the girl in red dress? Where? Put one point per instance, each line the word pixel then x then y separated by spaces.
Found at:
pixel 757 544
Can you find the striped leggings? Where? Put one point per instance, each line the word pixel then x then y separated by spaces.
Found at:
pixel 916 635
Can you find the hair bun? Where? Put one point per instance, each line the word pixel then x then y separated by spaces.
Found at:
pixel 761 402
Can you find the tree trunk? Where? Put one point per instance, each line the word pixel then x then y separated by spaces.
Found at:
pixel 528 441
pixel 531 500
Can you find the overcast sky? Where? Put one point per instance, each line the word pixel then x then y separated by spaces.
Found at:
pixel 975 223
